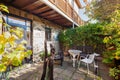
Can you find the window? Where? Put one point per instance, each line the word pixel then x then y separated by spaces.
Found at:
pixel 25 24
pixel 48 34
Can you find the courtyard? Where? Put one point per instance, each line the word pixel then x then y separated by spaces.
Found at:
pixel 33 71
pixel 28 29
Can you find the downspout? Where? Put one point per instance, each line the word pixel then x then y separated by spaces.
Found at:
pixel 73 14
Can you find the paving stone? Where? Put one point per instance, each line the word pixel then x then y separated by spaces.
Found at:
pixel 66 72
pixel 78 76
pixel 58 70
pixel 71 69
pixel 55 75
pixel 64 77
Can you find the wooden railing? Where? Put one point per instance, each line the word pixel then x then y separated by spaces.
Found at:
pixel 65 7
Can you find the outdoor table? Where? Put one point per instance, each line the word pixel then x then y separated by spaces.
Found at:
pixel 74 53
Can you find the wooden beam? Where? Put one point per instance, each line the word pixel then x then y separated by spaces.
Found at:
pixel 51 16
pixel 48 13
pixel 78 3
pixel 41 9
pixel 61 20
pixel 55 18
pixel 21 4
pixel 33 5
pixel 68 23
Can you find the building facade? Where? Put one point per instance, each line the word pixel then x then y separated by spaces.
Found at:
pixel 43 20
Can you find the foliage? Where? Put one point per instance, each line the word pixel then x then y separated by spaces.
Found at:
pixel 114 72
pixel 11 52
pixel 113 39
pixel 102 10
pixel 4 8
pixel 83 35
pixel 108 11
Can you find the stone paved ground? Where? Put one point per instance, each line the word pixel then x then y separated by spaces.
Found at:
pixel 65 72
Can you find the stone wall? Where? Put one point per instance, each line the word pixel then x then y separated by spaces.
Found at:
pixel 39 25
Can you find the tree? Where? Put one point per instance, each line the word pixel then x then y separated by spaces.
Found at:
pixel 102 10
pixel 11 52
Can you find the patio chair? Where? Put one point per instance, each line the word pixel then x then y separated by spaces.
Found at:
pixel 59 57
pixel 86 50
pixel 87 60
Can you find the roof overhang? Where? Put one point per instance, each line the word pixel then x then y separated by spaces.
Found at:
pixel 43 10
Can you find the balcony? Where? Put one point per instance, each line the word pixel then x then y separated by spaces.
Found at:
pixel 43 10
pixel 65 7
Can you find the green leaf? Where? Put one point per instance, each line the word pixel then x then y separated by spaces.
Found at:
pixel 16 61
pixel 28 53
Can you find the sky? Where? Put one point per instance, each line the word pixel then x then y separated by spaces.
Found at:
pixel 81 11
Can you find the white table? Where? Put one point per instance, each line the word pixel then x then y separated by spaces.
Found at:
pixel 74 53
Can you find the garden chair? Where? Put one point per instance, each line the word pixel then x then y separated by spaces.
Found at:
pixel 86 50
pixel 87 60
pixel 59 57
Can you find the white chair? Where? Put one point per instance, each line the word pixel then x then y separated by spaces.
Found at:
pixel 87 60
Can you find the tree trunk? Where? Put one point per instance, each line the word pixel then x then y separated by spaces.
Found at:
pixel 50 72
pixel 45 62
pixel 47 67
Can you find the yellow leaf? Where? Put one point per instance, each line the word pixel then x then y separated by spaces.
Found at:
pixel 116 57
pixel 20 47
pixel 1 20
pixel 23 42
pixel 20 56
pixel 15 36
pixel 2 39
pixel 12 40
pixel 5 60
pixel 28 53
pixel 4 8
pixel 16 61
pixel 2 68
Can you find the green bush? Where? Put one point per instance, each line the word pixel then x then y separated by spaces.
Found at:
pixel 114 72
pixel 83 35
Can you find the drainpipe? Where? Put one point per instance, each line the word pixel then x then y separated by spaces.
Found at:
pixel 73 14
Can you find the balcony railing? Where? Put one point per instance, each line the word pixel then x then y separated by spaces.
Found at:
pixel 65 7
